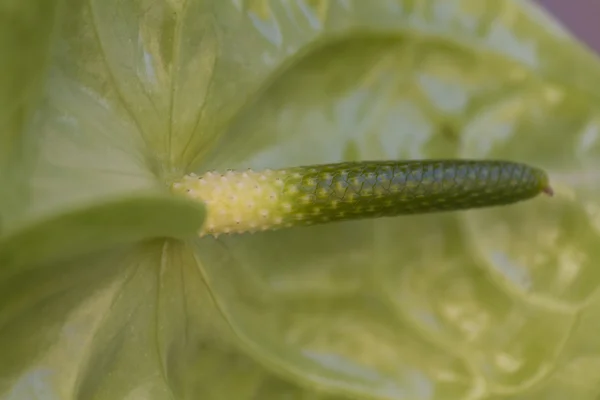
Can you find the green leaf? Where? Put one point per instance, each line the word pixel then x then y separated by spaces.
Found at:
pixel 26 32
pixel 480 286
pixel 90 187
pixel 184 69
pixel 101 227
pixel 105 292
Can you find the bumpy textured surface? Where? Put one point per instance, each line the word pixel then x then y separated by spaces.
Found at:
pixel 248 201
pixel 239 202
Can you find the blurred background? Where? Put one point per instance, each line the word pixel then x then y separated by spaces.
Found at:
pixel 581 16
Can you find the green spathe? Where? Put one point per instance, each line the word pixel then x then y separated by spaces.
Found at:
pixel 105 103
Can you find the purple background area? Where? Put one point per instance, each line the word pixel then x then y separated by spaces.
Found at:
pixel 582 18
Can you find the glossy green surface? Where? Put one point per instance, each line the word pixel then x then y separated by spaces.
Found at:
pixel 122 97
